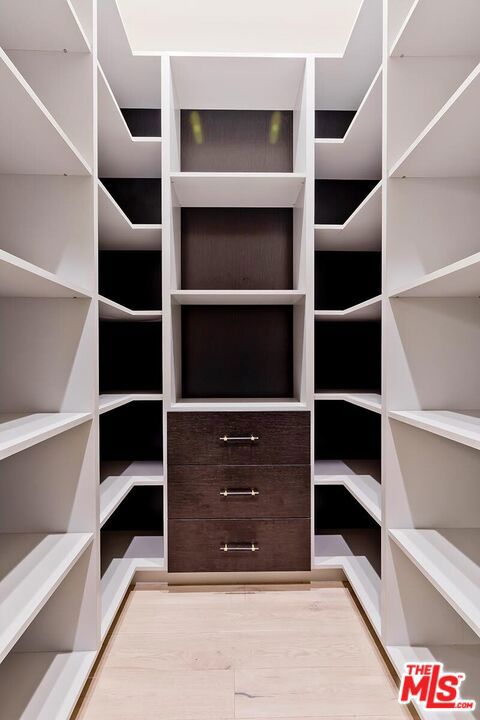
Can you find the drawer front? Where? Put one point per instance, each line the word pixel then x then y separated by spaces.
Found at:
pixel 226 545
pixel 265 438
pixel 226 491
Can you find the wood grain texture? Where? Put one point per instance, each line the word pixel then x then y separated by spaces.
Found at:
pixel 292 650
pixel 194 438
pixel 237 351
pixel 195 545
pixel 195 491
pixel 237 249
pixel 236 141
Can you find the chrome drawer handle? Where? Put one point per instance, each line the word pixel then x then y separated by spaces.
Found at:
pixel 239 547
pixel 243 492
pixel 251 438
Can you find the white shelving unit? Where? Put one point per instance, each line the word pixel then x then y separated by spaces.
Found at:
pixel 358 477
pixel 362 230
pixel 368 401
pixel 116 232
pixel 119 478
pixel 110 401
pixel 22 430
pixel 367 310
pixel 111 310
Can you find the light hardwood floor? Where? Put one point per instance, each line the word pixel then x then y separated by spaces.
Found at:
pixel 241 652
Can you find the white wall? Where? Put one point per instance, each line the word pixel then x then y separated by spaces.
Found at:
pixel 318 26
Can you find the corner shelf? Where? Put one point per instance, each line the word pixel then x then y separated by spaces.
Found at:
pixel 28 25
pixel 19 278
pixel 120 478
pixel 344 551
pixel 111 401
pixel 211 189
pixel 115 230
pixel 368 401
pixel 436 29
pixel 237 297
pixel 450 560
pixel 367 310
pixel 19 431
pixel 31 141
pixel 51 683
pixel 362 231
pixel 358 155
pixel 120 154
pixel 32 566
pixel 124 554
pixel 363 487
pixel 459 279
pixel 450 145
pixel 111 310
pixel 462 427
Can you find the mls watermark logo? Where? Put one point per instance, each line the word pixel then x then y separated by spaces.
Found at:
pixel 434 688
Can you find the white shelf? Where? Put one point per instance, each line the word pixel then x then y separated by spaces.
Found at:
pixel 359 482
pixel 238 404
pixel 123 554
pixel 368 401
pixel 116 232
pixel 32 566
pixel 356 552
pixel 19 431
pixel 367 310
pixel 31 141
pixel 120 154
pixel 440 29
pixel 455 658
pixel 460 279
pixel 450 144
pixel 111 310
pixel 361 232
pixel 120 478
pixel 50 25
pixel 450 560
pixel 462 427
pixel 358 155
pixel 111 401
pixel 238 297
pixel 19 278
pixel 43 685
pixel 237 189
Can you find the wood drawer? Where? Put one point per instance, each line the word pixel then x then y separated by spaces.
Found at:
pixel 195 545
pixel 197 491
pixel 194 438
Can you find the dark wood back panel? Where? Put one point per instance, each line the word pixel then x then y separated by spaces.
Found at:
pixel 194 438
pixel 343 279
pixel 130 356
pixel 132 432
pixel 143 122
pixel 236 141
pixel 131 278
pixel 347 356
pixel 139 198
pixel 335 200
pixel 345 431
pixel 237 351
pixel 237 249
pixel 332 123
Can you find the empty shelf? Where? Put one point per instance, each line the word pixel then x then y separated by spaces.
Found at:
pixel 462 427
pixel 50 25
pixel 116 232
pixel 111 310
pixel 120 154
pixel 43 685
pixel 31 141
pixel 367 310
pixel 19 431
pixel 32 566
pixel 237 189
pixel 120 478
pixel 358 155
pixel 460 279
pixel 230 404
pixel 238 297
pixel 450 560
pixel 450 144
pixel 19 278
pixel 361 232
pixel 363 487
pixel 111 401
pixel 123 554
pixel 368 401
pixel 356 552
pixel 440 29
